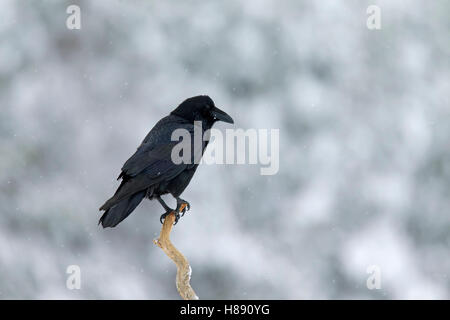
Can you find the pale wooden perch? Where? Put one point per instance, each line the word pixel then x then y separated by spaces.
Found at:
pixel 183 268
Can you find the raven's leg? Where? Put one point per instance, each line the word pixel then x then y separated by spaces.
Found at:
pixel 165 206
pixel 182 206
pixel 168 211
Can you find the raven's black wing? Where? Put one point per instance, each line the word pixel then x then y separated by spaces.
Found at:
pixel 158 138
pixel 152 162
pixel 156 166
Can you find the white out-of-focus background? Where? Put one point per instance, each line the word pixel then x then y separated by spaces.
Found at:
pixel 364 174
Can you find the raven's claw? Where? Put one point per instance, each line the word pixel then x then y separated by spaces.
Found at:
pixel 164 216
pixel 177 217
pixel 182 206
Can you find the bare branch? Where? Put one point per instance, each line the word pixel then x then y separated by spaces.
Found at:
pixel 183 268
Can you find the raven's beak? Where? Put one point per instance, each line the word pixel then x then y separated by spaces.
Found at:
pixel 221 115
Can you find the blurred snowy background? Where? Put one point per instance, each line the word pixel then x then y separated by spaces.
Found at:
pixel 364 131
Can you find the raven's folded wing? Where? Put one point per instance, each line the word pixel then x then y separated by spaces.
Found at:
pixel 145 169
pixel 152 161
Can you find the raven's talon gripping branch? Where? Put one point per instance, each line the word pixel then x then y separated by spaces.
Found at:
pixel 177 217
pixel 182 206
pixel 182 210
pixel 164 216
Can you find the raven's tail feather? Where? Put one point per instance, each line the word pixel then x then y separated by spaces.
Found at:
pixel 114 215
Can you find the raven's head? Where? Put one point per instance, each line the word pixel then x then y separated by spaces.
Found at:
pixel 201 108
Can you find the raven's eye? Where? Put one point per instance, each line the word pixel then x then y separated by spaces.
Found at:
pixel 206 109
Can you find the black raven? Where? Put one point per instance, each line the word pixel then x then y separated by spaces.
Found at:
pixel 151 171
